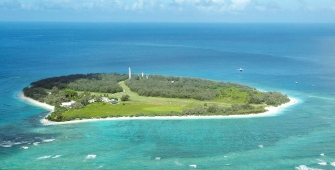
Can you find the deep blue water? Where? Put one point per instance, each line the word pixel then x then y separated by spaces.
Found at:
pixel 274 57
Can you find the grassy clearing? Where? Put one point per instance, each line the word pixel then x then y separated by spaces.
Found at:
pixel 97 110
pixel 138 106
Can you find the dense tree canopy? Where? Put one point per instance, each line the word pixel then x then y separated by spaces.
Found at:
pixel 174 87
pixel 64 88
pixel 106 83
pixel 199 89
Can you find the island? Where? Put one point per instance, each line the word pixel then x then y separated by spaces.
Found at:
pixel 101 95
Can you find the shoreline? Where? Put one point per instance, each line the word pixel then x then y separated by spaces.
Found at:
pixel 36 103
pixel 272 111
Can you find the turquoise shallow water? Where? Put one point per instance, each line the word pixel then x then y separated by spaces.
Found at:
pixel 273 56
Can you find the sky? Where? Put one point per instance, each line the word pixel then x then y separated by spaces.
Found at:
pixel 236 11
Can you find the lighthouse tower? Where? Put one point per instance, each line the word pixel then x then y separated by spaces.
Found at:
pixel 129 73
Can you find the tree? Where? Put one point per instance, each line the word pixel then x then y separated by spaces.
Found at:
pixel 98 98
pixel 125 97
pixel 77 105
pixel 213 109
pixel 84 100
pixel 70 93
pixel 54 90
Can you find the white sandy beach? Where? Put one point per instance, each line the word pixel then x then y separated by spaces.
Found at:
pixel 272 111
pixel 35 102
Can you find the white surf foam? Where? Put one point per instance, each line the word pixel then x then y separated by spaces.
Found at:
pixel 48 140
pixel 26 141
pixel 36 143
pixel 304 167
pixel 178 163
pixel 90 156
pixel 332 163
pixel 6 145
pixel 260 146
pixel 322 163
pixel 193 166
pixel 43 157
pixel 24 147
pixel 57 156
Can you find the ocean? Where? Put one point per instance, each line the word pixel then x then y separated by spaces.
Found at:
pixel 295 59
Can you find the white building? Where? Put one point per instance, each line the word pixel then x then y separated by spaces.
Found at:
pixel 68 104
pixel 91 101
pixel 129 73
pixel 105 99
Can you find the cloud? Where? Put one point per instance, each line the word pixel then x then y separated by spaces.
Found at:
pixel 260 8
pixel 140 5
pixel 239 4
pixel 126 5
pixel 27 6
pixel 62 5
pixel 304 6
pixel 211 5
pixel 266 6
pixel 10 4
pixel 302 2
pixel 221 6
pixel 179 1
pixel 272 5
pixel 137 5
pixel 170 10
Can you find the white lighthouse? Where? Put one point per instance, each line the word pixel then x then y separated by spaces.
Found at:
pixel 129 73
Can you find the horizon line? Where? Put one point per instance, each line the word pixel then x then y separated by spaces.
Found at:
pixel 166 22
